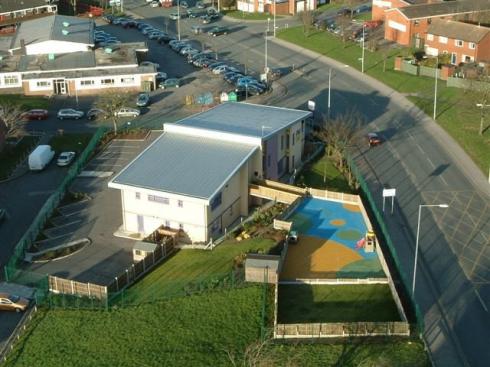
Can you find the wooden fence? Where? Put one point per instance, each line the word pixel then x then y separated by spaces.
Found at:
pixel 335 196
pixel 341 330
pixel 337 281
pixel 66 286
pixel 275 194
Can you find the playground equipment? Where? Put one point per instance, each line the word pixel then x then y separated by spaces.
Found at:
pixel 368 243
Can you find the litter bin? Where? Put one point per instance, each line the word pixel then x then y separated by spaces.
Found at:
pixel 196 29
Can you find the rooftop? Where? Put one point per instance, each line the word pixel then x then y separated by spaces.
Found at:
pixel 185 165
pixel 420 11
pixel 246 119
pixel 50 29
pixel 458 30
pixel 14 5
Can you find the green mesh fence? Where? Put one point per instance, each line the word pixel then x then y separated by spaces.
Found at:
pixel 12 269
pixel 387 239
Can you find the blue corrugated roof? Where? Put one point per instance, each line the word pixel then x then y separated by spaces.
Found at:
pixel 185 165
pixel 245 119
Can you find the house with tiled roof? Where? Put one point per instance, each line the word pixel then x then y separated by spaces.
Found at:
pixel 464 42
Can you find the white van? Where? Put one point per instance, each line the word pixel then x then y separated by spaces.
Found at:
pixel 40 157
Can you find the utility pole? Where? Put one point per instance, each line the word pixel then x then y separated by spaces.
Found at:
pixel 435 89
pixel 363 40
pixel 178 19
pixel 329 90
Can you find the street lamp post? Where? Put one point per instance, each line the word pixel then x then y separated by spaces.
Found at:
pixel 417 240
pixel 266 69
pixel 274 23
pixel 363 40
pixel 329 90
pixel 435 89
pixel 178 19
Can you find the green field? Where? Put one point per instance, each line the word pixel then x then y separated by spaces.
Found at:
pixel 336 303
pixel 70 142
pixel 11 156
pixel 322 174
pixel 193 331
pixel 27 102
pixel 191 266
pixel 458 117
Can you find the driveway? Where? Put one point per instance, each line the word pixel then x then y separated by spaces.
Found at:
pixel 97 219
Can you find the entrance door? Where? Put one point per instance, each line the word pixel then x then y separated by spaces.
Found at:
pixel 141 224
pixel 60 86
pixel 454 58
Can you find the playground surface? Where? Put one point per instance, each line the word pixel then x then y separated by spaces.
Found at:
pixel 328 243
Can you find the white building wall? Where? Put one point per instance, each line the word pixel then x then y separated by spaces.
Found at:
pixel 248 6
pixel 10 80
pixel 129 80
pixel 55 47
pixel 40 84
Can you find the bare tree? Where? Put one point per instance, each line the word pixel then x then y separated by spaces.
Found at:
pixel 343 23
pixel 306 17
pixel 111 102
pixel 11 116
pixel 479 93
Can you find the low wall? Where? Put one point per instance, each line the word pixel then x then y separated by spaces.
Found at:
pixel 334 196
pixel 409 68
pixel 337 281
pixel 285 187
pixel 340 330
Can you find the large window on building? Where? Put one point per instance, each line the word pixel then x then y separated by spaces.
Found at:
pixel 458 43
pixel 127 80
pixel 87 82
pixel 11 80
pixel 158 199
pixel 43 84
pixel 472 45
pixel 216 201
pixel 107 81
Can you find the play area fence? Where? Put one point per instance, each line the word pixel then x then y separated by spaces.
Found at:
pixel 387 238
pixel 12 269
pixel 341 330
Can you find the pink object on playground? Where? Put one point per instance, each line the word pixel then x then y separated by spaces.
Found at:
pixel 360 243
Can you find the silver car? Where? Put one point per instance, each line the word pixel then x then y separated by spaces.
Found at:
pixel 127 112
pixel 69 113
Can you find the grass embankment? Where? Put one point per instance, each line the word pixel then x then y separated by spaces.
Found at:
pixel 192 266
pixel 70 142
pixel 238 14
pixel 336 303
pixel 322 174
pixel 455 113
pixel 191 331
pixel 27 102
pixel 11 156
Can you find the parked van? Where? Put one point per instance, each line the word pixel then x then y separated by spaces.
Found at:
pixel 40 157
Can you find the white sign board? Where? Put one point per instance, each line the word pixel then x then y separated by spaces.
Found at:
pixel 311 105
pixel 389 192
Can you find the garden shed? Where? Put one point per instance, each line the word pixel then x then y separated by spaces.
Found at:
pixel 143 249
pixel 260 267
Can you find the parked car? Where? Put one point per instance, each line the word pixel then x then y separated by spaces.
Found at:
pixel 216 64
pixel 244 92
pixel 161 75
pixel 183 4
pixel 154 4
pixel 3 215
pixel 169 83
pixel 10 302
pixel 149 63
pixel 217 31
pixel 149 29
pixel 65 158
pixel 194 13
pixel 143 100
pixel 180 15
pixel 200 5
pixel 232 77
pixel 221 69
pixel 374 139
pixel 35 114
pixel 292 237
pixel 127 112
pixel 165 38
pixel 206 19
pixel 69 113
pixel 203 61
pixel 186 49
pixel 95 113
pixel 40 157
pixel 108 18
pixel 154 35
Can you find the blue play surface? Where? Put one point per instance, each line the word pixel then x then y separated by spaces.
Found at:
pixel 333 221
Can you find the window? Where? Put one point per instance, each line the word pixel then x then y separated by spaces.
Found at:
pixel 458 43
pixel 11 80
pixel 180 204
pixel 282 142
pixel 107 81
pixel 158 199
pixel 44 83
pixel 442 39
pixel 138 252
pixel 127 80
pixel 430 37
pixel 216 201
pixel 87 82
pixel 137 195
pixel 416 22
pixel 472 45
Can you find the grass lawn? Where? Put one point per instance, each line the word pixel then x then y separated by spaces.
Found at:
pixel 191 266
pixel 336 303
pixel 190 331
pixel 457 116
pixel 11 156
pixel 314 173
pixel 238 14
pixel 330 6
pixel 70 142
pixel 27 102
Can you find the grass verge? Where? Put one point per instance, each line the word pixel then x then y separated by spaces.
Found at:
pixel 11 156
pixel 336 303
pixel 27 102
pixel 322 174
pixel 70 142
pixel 456 114
pixel 238 14
pixel 192 265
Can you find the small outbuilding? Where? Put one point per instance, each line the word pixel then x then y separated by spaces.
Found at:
pixel 143 249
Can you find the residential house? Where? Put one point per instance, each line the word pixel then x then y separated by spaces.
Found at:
pixel 464 42
pixel 58 55
pixel 380 6
pixel 287 7
pixel 408 25
pixel 195 176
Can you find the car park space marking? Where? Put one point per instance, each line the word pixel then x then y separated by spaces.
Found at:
pixel 430 162
pixel 98 174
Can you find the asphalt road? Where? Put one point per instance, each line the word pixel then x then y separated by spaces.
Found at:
pixel 420 161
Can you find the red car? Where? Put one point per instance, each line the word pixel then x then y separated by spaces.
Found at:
pixel 36 115
pixel 374 139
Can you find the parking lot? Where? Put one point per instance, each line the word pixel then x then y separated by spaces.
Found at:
pixel 96 219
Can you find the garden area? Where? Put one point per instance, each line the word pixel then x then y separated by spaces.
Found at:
pixel 336 303
pixel 458 117
pixel 27 102
pixel 214 329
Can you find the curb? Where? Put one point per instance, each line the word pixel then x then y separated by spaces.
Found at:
pixel 447 143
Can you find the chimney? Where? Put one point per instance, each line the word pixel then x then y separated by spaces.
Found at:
pixel 23 47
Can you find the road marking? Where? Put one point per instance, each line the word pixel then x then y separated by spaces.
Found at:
pixel 481 301
pixel 430 162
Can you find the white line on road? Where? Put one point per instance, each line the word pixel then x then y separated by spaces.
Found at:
pixel 430 162
pixel 481 301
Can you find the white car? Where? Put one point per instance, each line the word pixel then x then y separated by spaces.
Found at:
pixel 127 112
pixel 69 113
pixel 149 1
pixel 154 4
pixel 65 158
pixel 149 63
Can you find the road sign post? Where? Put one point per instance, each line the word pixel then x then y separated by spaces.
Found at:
pixel 386 194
